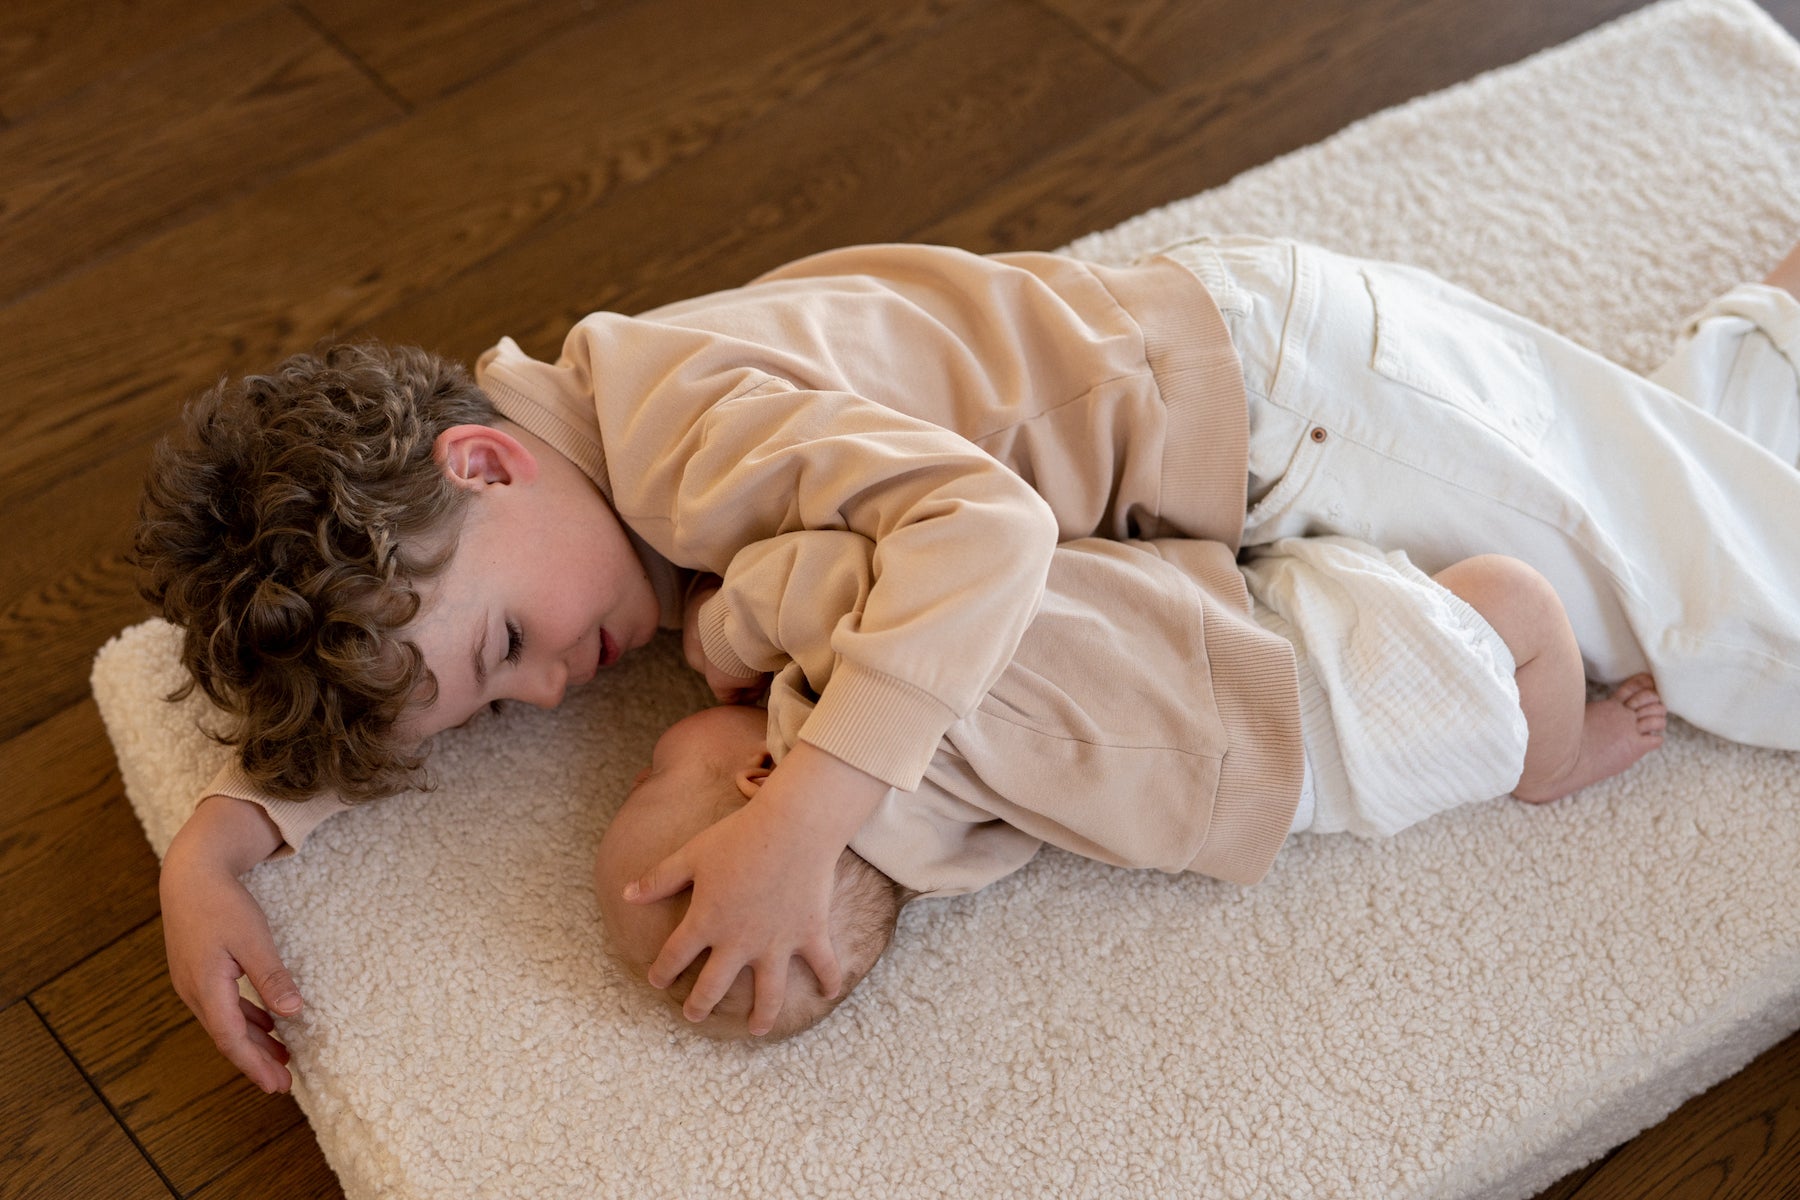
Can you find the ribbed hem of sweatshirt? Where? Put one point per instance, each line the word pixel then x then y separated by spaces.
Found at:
pixel 878 724
pixel 1256 688
pixel 1206 450
pixel 500 373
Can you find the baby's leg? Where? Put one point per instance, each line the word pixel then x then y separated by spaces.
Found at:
pixel 1786 273
pixel 1571 742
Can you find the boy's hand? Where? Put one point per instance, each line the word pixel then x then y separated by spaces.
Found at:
pixel 762 880
pixel 214 931
pixel 726 688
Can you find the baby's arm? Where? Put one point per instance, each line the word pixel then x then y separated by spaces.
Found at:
pixel 214 931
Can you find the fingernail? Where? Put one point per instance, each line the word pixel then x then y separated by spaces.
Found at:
pixel 631 891
pixel 287 1005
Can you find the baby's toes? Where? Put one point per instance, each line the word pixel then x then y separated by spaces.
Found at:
pixel 1637 692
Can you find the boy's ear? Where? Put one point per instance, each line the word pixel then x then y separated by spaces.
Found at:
pixel 474 456
pixel 750 778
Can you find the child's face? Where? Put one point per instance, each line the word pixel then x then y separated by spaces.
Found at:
pixel 543 591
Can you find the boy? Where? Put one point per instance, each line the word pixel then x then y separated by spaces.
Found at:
pixel 1149 720
pixel 965 414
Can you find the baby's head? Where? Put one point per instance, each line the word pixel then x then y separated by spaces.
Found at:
pixel 343 545
pixel 703 769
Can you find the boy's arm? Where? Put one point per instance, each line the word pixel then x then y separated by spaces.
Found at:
pixel 762 880
pixel 214 931
pixel 763 877
pixel 731 681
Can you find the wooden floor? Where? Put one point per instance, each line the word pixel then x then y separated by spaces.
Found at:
pixel 195 186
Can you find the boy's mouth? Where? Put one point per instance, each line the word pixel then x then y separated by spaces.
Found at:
pixel 609 650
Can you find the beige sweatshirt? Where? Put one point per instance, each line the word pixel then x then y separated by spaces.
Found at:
pixel 964 413
pixel 1145 720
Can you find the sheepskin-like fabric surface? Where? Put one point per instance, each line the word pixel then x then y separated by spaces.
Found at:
pixel 1471 1009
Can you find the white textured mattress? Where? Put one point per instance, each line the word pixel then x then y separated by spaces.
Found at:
pixel 1471 1009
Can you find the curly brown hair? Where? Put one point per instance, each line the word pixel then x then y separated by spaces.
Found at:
pixel 282 528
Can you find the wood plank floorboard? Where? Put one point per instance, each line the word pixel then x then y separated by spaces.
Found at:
pixel 200 187
pixel 189 1109
pixel 56 1137
pixel 50 49
pixel 424 49
pixel 803 178
pixel 133 152
pixel 77 869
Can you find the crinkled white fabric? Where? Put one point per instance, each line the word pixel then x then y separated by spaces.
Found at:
pixel 1408 705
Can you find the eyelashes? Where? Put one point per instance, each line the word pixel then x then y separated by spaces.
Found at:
pixel 515 642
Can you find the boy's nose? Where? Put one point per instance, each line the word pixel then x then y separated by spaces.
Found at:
pixel 545 689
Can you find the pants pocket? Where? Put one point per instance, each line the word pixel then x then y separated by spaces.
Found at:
pixel 1434 342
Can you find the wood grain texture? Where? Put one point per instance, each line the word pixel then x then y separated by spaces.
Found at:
pixel 56 1138
pixel 423 48
pixel 189 1109
pixel 134 151
pixel 66 584
pixel 883 148
pixel 52 48
pixel 71 877
pixel 291 1167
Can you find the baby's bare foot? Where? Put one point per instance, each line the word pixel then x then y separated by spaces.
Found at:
pixel 1615 732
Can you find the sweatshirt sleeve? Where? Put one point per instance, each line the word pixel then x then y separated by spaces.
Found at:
pixel 784 600
pixel 296 819
pixel 957 551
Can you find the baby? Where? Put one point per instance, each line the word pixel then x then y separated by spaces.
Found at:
pixel 1152 717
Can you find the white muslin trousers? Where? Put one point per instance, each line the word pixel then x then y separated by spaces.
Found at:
pixel 1408 702
pixel 1392 407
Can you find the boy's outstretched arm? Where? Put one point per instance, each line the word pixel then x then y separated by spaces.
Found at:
pixel 762 880
pixel 215 931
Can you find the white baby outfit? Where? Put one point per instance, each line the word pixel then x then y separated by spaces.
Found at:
pixel 1390 406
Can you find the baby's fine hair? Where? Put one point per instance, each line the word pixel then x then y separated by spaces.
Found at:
pixel 282 527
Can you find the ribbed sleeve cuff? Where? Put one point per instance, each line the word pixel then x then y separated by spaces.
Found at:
pixel 878 724
pixel 715 638
pixel 296 819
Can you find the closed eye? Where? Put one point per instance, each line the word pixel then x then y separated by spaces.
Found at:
pixel 515 643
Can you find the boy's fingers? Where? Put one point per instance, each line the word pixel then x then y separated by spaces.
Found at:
pixel 273 983
pixel 259 1033
pixel 821 956
pixel 711 987
pixel 236 1038
pixel 659 883
pixel 677 953
pixel 771 991
pixel 255 1015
